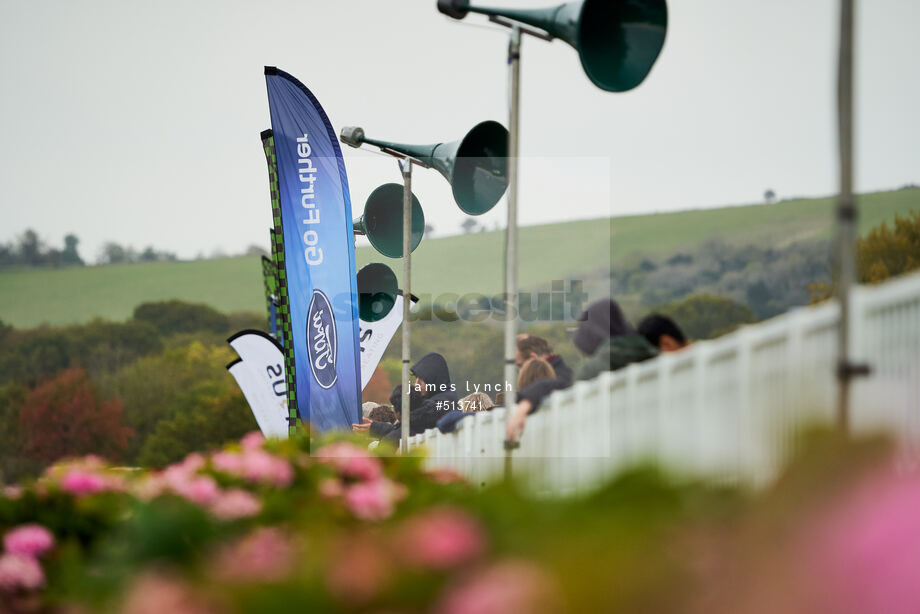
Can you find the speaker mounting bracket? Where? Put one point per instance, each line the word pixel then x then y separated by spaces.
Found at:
pixel 510 23
pixel 402 156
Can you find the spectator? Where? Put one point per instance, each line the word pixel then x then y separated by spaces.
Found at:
pixel 531 346
pixel 471 403
pixel 499 399
pixel 534 370
pixel 367 408
pixel 609 341
pixel 438 395
pixel 415 399
pixel 662 332
pixel 383 413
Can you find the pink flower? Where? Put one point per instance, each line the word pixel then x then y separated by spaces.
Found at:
pixel 255 465
pixel 20 572
pixel 31 540
pixel 78 482
pixel 235 503
pixel 201 489
pixel 331 488
pixel 228 462
pixel 192 463
pixel 441 538
pixel 351 461
pixel 12 492
pixel 509 586
pixel 373 500
pixel 265 555
pixel 260 466
pixel 252 441
pixel 357 571
pixel 868 549
pixel 158 593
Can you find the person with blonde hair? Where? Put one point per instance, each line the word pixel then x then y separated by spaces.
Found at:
pixel 534 370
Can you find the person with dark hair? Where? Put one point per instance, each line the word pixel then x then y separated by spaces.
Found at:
pixel 435 396
pixel 528 346
pixel 532 346
pixel 662 332
pixel 383 413
pixel 415 399
pixel 609 340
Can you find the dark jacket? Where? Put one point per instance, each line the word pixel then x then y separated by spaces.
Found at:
pixel 615 353
pixel 432 369
pixel 539 390
pixel 609 340
pixel 448 422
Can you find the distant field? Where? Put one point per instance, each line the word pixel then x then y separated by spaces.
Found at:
pixel 459 264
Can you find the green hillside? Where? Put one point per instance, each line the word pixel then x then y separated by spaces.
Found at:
pixel 459 264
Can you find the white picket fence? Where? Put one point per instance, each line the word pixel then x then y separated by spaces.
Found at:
pixel 724 409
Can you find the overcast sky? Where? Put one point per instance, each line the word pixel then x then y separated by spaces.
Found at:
pixel 139 121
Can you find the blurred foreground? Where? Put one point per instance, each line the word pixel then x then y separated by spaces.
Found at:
pixel 263 527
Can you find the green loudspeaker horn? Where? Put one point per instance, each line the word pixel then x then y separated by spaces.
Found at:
pixel 382 222
pixel 476 165
pixel 377 291
pixel 618 41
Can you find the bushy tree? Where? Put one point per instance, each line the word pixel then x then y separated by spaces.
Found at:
pixel 64 417
pixel 158 386
pixel 882 254
pixel 885 252
pixel 34 355
pixel 30 248
pixel 113 253
pixel 200 423
pixel 171 317
pixel 70 255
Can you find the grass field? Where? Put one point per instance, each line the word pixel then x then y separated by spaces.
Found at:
pixel 458 264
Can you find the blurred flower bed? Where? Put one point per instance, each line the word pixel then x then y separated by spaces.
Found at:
pixel 265 527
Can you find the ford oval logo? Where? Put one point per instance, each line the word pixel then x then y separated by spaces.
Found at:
pixel 321 340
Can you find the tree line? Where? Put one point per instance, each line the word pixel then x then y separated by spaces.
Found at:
pixel 30 250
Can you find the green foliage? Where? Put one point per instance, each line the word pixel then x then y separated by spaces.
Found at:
pixel 171 317
pixel 705 316
pixel 158 387
pixel 13 466
pixel 768 279
pixel 201 422
pixel 885 252
pixel 34 355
